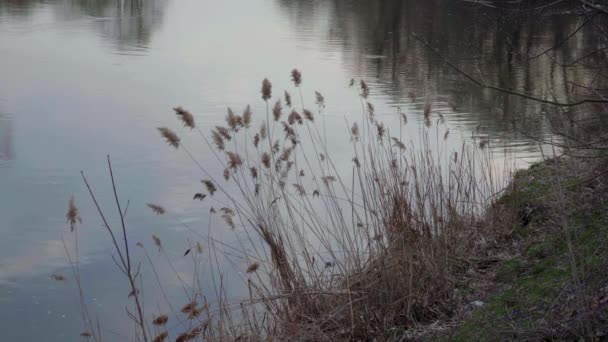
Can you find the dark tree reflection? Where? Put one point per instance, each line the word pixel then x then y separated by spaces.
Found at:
pixel 494 45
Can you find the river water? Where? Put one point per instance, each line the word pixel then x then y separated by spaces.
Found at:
pixel 82 79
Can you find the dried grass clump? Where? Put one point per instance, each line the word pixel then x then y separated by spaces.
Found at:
pixel 350 252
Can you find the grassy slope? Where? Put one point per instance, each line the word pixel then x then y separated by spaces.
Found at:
pixel 555 287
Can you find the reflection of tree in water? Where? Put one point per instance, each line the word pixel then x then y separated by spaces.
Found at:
pixel 6 138
pixel 130 23
pixel 485 43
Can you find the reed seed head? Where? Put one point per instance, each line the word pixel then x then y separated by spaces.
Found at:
pixel 57 277
pixel 72 215
pixel 256 140
pixel 161 337
pixel 160 320
pixel 157 209
pixel 266 89
pixel 294 117
pixel 210 186
pixel 218 140
pixel 266 160
pixel 300 189
pixel 320 100
pixel 296 77
pixel 157 241
pixel 308 115
pixel 398 143
pixel 381 130
pixel 234 121
pixel 354 132
pixel 188 307
pixel 170 136
pixel 370 109
pixel 186 117
pixel 247 114
pixel 364 89
pixel 287 99
pixel 234 160
pixel 276 110
pixel 224 132
pixel 253 267
pixel 263 131
pixel 328 179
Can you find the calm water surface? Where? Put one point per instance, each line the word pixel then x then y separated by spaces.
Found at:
pixel 82 79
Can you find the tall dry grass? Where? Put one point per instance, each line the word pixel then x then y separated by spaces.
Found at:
pixel 339 252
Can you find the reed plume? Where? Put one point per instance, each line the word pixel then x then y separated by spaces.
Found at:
pixel 364 89
pixel 234 160
pixel 160 320
pixel 170 136
pixel 370 109
pixel 266 89
pixel 256 140
pixel 354 132
pixel 300 189
pixel 218 140
pixel 328 179
pixel 320 100
pixel 210 186
pixel 161 337
pixel 247 115
pixel 157 242
pixel 427 109
pixel 276 110
pixel 57 277
pixel 188 307
pixel 263 130
pixel 186 117
pixel 72 215
pixel 308 115
pixel 381 130
pixel 296 77
pixel 398 143
pixel 234 121
pixel 294 117
pixel 157 209
pixel 266 160
pixel 287 99
pixel 253 267
pixel 224 132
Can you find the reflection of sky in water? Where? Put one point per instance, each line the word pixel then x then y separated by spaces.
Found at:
pixel 82 79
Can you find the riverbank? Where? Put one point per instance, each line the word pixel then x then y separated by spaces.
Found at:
pixel 549 279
